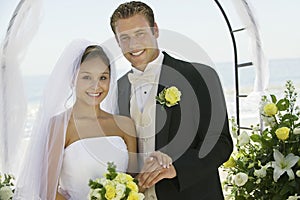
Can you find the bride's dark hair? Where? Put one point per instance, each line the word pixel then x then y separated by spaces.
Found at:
pixel 95 51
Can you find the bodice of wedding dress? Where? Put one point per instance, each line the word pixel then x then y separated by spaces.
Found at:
pixel 87 159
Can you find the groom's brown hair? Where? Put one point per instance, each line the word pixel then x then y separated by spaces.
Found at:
pixel 130 9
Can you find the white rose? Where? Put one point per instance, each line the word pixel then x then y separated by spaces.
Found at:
pixel 120 190
pixel 95 193
pixel 5 193
pixel 269 121
pixel 296 131
pixel 298 173
pixel 243 138
pixel 104 181
pixel 240 179
pixel 141 196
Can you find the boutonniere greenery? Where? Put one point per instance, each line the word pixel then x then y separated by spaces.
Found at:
pixel 169 96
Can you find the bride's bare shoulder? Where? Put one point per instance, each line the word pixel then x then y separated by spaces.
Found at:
pixel 125 123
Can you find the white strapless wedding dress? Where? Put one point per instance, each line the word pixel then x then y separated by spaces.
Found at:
pixel 87 159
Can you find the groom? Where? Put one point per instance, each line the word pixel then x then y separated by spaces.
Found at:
pixel 193 131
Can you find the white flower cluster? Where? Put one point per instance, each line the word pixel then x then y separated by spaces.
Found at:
pixel 6 190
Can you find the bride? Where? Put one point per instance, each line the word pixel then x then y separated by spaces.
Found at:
pixel 73 138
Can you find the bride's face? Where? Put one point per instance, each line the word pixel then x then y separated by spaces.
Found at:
pixel 92 82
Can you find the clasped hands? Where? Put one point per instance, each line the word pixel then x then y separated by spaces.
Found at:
pixel 156 167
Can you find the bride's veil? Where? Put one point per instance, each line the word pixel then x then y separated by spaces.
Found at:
pixel 42 163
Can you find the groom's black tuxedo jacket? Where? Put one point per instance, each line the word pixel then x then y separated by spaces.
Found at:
pixel 194 132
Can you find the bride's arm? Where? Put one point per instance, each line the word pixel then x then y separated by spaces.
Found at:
pixel 129 135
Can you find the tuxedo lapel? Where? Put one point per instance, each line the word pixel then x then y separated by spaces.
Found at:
pixel 163 114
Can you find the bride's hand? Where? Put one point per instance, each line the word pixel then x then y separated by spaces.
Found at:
pixel 163 159
pixel 157 167
pixel 148 179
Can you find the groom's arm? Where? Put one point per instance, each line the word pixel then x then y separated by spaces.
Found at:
pixel 213 132
pixel 191 169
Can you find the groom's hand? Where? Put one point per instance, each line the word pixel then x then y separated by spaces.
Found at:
pixel 157 167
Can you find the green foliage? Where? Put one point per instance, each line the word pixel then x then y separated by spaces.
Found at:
pixel 256 158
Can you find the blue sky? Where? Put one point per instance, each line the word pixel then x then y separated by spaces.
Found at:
pixel 200 21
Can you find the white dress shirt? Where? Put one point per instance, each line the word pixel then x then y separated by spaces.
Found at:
pixel 144 87
pixel 142 91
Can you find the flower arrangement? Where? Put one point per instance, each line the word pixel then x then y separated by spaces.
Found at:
pixel 266 165
pixel 6 186
pixel 114 186
pixel 169 96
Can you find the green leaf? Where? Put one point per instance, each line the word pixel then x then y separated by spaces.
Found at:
pixel 286 188
pixel 289 117
pixel 273 97
pixel 250 186
pixel 240 198
pixel 94 184
pixel 111 168
pixel 256 138
pixel 283 104
pixel 102 192
pixel 277 197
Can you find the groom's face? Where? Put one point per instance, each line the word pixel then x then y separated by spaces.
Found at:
pixel 137 40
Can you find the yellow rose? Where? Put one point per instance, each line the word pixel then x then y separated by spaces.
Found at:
pixel 128 177
pixel 133 196
pixel 229 163
pixel 132 186
pixel 282 133
pixel 123 178
pixel 172 96
pixel 110 191
pixel 270 109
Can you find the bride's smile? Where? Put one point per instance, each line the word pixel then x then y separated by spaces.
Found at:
pixel 93 81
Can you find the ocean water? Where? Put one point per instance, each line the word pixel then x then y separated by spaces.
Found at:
pixel 280 71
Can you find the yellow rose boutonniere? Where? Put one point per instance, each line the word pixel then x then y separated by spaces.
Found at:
pixel 169 96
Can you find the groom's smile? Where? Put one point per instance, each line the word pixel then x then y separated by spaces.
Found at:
pixel 137 53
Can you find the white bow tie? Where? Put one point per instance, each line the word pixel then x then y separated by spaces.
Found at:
pixel 138 80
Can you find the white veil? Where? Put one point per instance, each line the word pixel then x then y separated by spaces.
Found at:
pixel 42 164
pixel 21 29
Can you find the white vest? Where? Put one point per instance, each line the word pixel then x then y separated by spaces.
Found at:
pixel 145 128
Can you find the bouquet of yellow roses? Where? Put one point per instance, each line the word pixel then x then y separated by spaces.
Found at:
pixel 266 165
pixel 6 186
pixel 114 186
